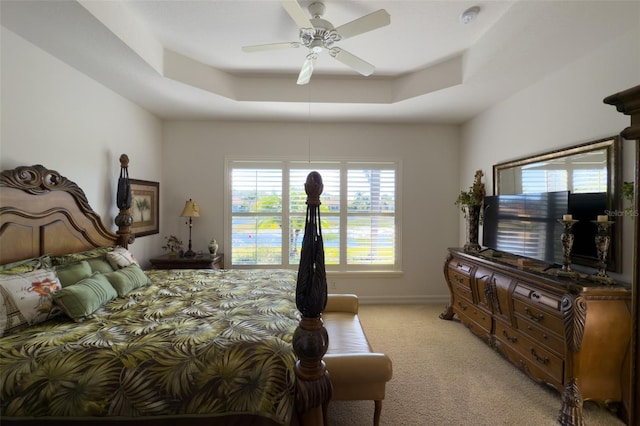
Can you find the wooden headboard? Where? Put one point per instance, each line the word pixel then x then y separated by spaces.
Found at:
pixel 42 212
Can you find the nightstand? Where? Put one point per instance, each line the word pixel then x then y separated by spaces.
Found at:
pixel 200 261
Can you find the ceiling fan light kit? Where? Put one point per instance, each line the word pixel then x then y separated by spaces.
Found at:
pixel 317 35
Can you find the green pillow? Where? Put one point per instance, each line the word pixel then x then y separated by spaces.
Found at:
pixel 128 278
pixel 100 264
pixel 71 274
pixel 85 297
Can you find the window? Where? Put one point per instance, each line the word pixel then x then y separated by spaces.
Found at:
pixel 358 214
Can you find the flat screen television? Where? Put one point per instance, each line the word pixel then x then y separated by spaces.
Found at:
pixel 527 224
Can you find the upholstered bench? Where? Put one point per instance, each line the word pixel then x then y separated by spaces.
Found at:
pixel 356 371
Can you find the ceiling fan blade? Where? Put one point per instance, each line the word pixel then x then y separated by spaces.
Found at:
pixel 307 69
pixel 350 60
pixel 364 24
pixel 271 46
pixel 297 13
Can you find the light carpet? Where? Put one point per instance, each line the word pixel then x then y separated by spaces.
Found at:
pixel 444 375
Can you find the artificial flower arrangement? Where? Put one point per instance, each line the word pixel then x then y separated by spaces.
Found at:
pixel 474 196
pixel 173 244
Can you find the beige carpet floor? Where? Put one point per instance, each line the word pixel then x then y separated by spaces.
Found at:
pixel 443 375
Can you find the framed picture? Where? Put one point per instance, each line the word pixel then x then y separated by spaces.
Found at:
pixel 145 207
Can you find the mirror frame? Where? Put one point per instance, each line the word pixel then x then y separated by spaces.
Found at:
pixel 613 147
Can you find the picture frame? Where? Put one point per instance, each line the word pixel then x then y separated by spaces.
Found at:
pixel 145 207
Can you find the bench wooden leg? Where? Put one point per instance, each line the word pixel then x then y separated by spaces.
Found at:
pixel 376 412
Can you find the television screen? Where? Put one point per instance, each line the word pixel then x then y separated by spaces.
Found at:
pixel 526 224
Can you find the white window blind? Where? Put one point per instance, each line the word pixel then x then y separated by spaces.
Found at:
pixel 256 211
pixel 358 214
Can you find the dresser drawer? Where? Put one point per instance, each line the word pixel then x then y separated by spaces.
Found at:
pixel 482 318
pixel 541 335
pixel 538 297
pixel 468 312
pixel 458 277
pixel 528 313
pixel 531 369
pixel 540 361
pixel 462 291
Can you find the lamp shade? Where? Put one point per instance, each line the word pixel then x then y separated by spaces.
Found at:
pixel 190 209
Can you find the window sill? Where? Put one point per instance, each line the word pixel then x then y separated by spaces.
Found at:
pixel 365 274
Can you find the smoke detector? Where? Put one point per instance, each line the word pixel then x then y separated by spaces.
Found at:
pixel 469 15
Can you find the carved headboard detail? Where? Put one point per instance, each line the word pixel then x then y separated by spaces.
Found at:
pixel 42 212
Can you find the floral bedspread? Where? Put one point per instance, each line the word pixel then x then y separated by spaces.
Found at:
pixel 204 342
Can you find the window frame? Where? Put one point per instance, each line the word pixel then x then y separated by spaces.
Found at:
pixel 319 165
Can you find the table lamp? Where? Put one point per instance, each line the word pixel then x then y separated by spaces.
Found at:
pixel 190 210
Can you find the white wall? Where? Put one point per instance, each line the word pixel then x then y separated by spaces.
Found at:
pixel 194 166
pixel 55 116
pixel 562 110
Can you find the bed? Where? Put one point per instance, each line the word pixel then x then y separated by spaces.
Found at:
pixel 123 345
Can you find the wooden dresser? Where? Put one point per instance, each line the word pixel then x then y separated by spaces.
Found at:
pixel 570 333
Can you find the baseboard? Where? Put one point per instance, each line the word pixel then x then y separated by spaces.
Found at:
pixel 388 300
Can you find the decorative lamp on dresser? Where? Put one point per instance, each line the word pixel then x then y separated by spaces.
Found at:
pixel 570 333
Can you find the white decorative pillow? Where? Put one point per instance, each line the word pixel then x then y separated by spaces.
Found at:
pixel 25 299
pixel 120 258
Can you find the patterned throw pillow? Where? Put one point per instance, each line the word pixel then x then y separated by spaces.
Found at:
pixel 27 265
pixel 67 259
pixel 25 299
pixel 120 258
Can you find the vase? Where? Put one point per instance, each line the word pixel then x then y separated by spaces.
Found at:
pixel 213 247
pixel 473 229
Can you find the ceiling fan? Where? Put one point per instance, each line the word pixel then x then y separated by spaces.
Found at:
pixel 318 34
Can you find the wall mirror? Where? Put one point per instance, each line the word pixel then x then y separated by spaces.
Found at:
pixel 591 170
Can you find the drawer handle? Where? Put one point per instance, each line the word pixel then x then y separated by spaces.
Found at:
pixel 463 307
pixel 458 279
pixel 538 317
pixel 512 339
pixel 540 359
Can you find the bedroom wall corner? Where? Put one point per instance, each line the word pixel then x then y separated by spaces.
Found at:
pixel 53 115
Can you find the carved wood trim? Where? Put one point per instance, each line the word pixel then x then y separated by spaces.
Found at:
pixel 124 220
pixel 310 339
pixel 448 309
pixel 571 410
pixel 574 313
pixel 39 208
pixel 628 103
pixel 38 180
